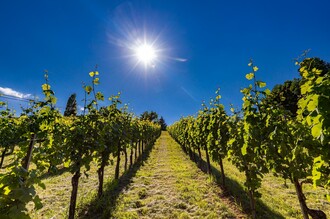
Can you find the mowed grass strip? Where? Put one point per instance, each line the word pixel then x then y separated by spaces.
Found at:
pixel 170 185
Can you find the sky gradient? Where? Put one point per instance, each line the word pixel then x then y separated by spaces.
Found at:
pixel 201 45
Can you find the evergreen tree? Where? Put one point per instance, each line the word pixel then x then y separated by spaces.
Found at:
pixel 71 106
pixel 162 123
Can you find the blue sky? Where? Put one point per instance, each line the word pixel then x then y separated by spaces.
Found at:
pixel 201 45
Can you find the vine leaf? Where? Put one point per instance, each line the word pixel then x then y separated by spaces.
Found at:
pixel 249 76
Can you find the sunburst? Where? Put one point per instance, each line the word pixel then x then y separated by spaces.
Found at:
pixel 146 54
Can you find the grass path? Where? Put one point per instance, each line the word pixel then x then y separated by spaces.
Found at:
pixel 169 185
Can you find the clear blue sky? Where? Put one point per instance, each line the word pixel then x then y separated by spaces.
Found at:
pixel 202 45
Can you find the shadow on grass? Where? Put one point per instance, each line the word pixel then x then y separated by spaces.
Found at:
pixel 56 172
pixel 237 194
pixel 103 207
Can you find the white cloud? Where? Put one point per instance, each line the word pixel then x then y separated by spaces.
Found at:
pixel 10 92
pixel 181 59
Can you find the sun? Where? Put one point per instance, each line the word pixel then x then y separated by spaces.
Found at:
pixel 146 54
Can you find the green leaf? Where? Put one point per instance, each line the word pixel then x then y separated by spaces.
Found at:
pixel 318 162
pixel 37 203
pixel 66 164
pixel 309 120
pixel 96 81
pixel 261 84
pixel 302 69
pixel 305 74
pixel 249 76
pixel 45 87
pixel 6 190
pixel 42 185
pixel 53 99
pixel 313 103
pixel 99 96
pixel 88 89
pixel 246 103
pixel 311 106
pixel 244 149
pixel 302 103
pixel 268 92
pixel 318 72
pixel 317 130
pixel 319 80
pixel 305 88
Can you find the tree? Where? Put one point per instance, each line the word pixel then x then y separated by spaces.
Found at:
pixel 71 106
pixel 150 116
pixel 286 96
pixel 162 123
pixel 316 63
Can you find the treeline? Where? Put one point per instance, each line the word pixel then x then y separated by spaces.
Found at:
pixel 285 131
pixel 42 139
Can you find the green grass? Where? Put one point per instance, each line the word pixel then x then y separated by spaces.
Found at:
pixel 56 196
pixel 169 185
pixel 279 199
pixel 282 198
